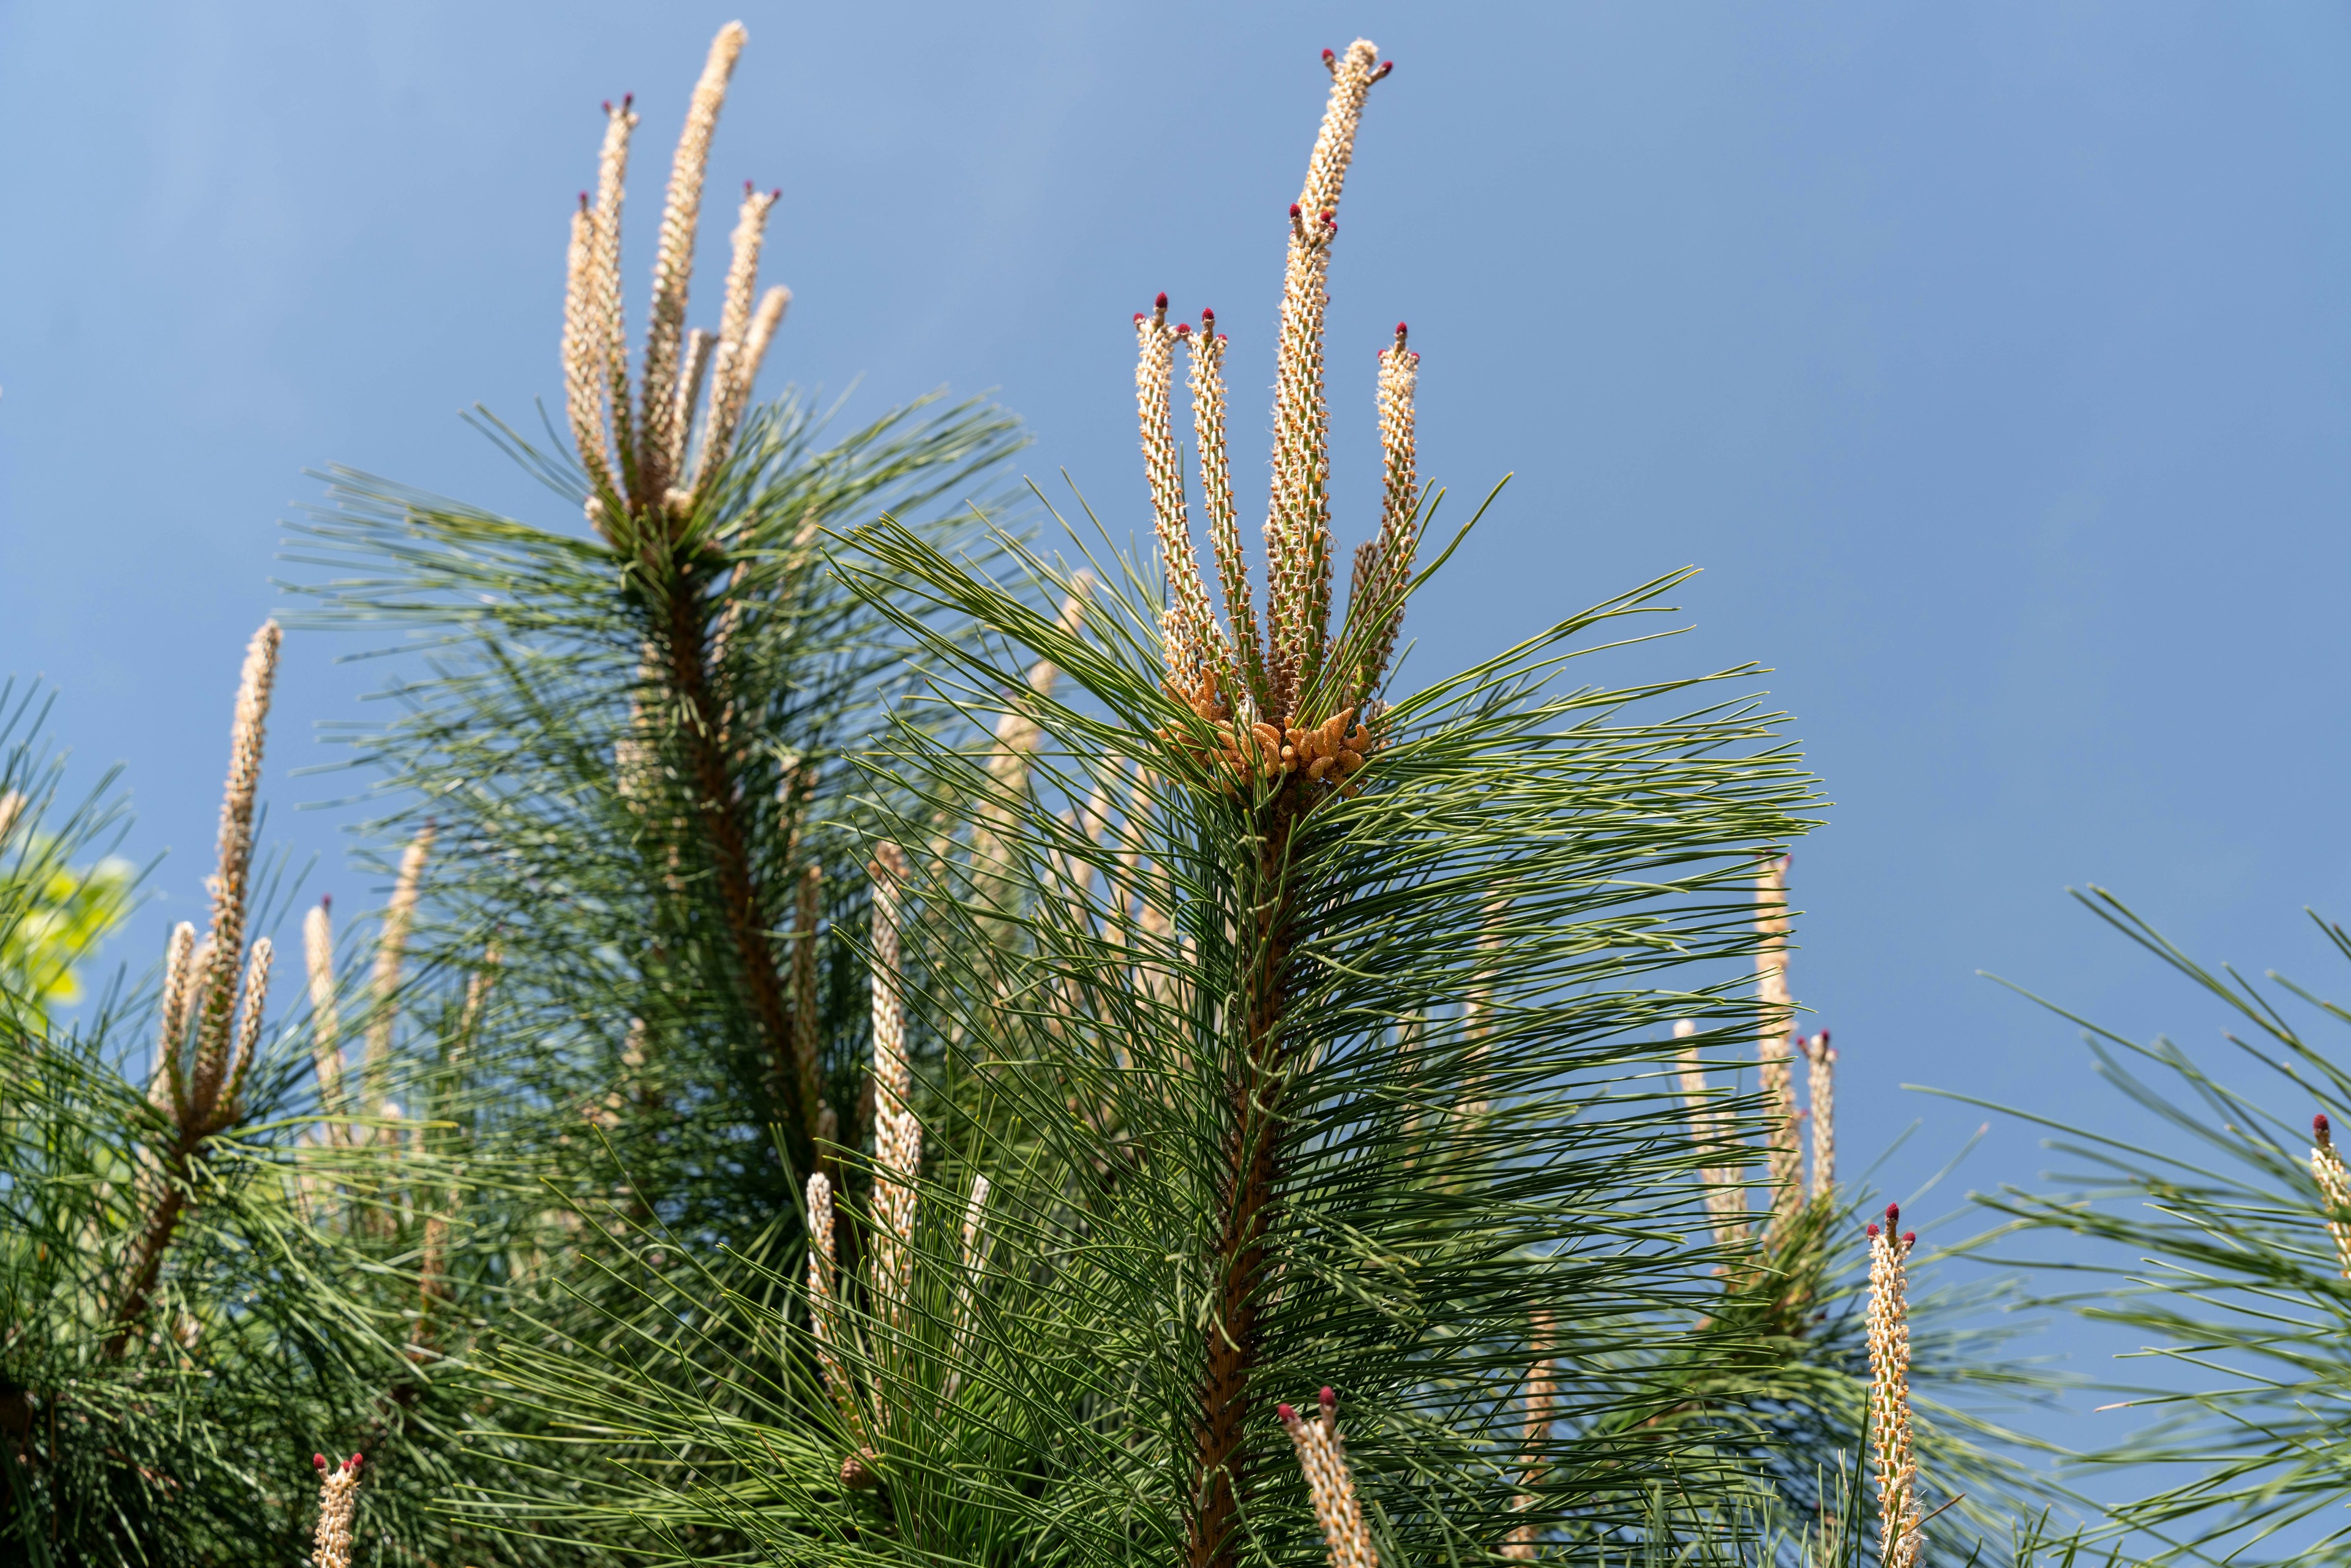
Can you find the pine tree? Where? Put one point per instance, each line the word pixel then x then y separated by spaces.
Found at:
pixel 176 1326
pixel 2227 1256
pixel 1783 1370
pixel 1240 1030
pixel 623 990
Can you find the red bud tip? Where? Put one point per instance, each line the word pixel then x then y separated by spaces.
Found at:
pixel 776 194
pixel 318 1461
pixel 1909 1239
pixel 2318 1125
pixel 748 187
pixel 1222 339
pixel 1893 1214
pixel 1138 314
pixel 627 99
pixel 1329 56
pixel 1285 1412
pixel 1183 329
pixel 354 1461
pixel 1326 215
pixel 1328 1398
pixel 1872 1229
pixel 325 901
pixel 1160 303
pixel 608 105
pixel 1386 65
pixel 1207 318
pixel 1825 1037
pixel 584 201
pixel 1294 209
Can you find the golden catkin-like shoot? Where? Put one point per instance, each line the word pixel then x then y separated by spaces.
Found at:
pixel 733 381
pixel 390 955
pixel 215 997
pixel 477 998
pixel 180 983
pixel 1710 1125
pixel 732 368
pixel 635 441
pixel 674 258
pixel 1385 567
pixel 1187 631
pixel 1783 1142
pixel 339 1502
pixel 2334 1184
pixel 1820 1092
pixel 1207 388
pixel 1330 1485
pixel 825 1325
pixel 897 1134
pixel 249 1028
pixel 609 323
pixel 685 397
pixel 587 340
pixel 1888 1323
pixel 1298 518
pixel 1542 1409
pixel 325 1020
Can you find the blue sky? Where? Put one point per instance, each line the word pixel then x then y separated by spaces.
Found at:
pixel 1993 360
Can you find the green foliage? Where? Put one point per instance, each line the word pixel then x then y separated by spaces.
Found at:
pixel 53 913
pixel 1776 1377
pixel 1446 1195
pixel 178 1430
pixel 2214 1252
pixel 643 851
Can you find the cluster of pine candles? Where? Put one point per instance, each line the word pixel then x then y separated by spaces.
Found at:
pixel 1010 1131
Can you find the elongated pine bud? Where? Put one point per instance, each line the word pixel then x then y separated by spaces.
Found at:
pixel 339 1503
pixel 898 1136
pixel 605 319
pixel 673 261
pixel 1821 1091
pixel 732 382
pixel 249 1028
pixel 326 1022
pixel 1777 1010
pixel 1187 631
pixel 825 1327
pixel 171 1083
pixel 390 954
pixel 216 998
pixel 477 997
pixel 1208 387
pixel 2334 1184
pixel 1298 519
pixel 587 342
pixel 1542 1409
pixel 684 398
pixel 1330 1485
pixel 728 391
pixel 1887 1320
pixel 1726 1197
pixel 1399 535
